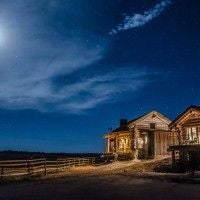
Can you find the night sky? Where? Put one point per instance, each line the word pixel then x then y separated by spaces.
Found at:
pixel 70 69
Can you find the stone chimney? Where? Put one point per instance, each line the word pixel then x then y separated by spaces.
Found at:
pixel 123 123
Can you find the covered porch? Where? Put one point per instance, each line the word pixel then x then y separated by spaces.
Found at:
pixel 150 142
pixel 118 142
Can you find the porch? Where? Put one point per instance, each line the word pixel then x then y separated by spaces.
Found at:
pixel 185 156
pixel 118 142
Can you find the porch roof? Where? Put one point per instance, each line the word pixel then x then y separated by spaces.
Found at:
pixel 118 133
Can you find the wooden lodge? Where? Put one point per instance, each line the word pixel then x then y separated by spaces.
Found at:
pixel 144 137
pixel 187 151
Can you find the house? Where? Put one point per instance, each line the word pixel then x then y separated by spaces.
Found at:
pixel 187 126
pixel 146 136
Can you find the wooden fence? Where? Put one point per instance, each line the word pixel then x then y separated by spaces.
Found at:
pixel 11 168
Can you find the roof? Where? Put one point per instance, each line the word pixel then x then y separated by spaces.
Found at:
pixel 120 129
pixel 133 120
pixel 125 128
pixel 148 114
pixel 115 133
pixel 183 113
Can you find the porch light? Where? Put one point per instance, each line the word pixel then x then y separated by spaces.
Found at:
pixel 140 143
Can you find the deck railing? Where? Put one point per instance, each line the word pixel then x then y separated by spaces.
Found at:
pixel 9 168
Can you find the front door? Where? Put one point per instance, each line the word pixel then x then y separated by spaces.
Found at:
pixel 150 144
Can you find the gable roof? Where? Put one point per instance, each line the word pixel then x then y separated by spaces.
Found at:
pixel 164 118
pixel 135 119
pixel 178 118
pixel 140 118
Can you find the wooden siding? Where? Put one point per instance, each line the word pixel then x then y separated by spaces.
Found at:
pixel 150 140
pixel 190 119
pixel 161 143
pixel 160 124
pixel 173 138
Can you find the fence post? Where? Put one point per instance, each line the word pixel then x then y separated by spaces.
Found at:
pixel 57 166
pixel 45 167
pixel 93 161
pixel 28 166
pixel 2 170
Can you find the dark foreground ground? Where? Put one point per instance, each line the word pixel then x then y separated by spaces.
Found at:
pixel 100 187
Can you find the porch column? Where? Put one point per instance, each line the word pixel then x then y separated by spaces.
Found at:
pixel 108 145
pixel 116 145
pixel 136 136
pixel 181 135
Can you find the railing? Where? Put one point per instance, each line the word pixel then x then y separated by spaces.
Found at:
pixel 188 141
pixel 9 168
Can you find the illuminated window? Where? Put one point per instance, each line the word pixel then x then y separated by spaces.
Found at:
pixel 192 133
pixel 145 139
pixel 140 143
pixel 123 144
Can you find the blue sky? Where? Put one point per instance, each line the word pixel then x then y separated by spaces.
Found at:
pixel 69 70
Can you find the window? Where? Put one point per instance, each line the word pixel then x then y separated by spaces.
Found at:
pixel 152 125
pixel 191 134
pixel 123 144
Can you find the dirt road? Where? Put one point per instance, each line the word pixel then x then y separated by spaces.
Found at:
pixel 96 187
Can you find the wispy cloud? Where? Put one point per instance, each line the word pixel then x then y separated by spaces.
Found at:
pixel 30 65
pixel 34 58
pixel 38 92
pixel 26 79
pixel 137 20
pixel 93 91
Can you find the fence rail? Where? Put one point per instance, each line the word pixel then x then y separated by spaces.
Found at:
pixel 9 168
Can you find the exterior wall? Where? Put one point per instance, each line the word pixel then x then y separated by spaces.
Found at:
pixel 157 137
pixel 173 138
pixel 160 124
pixel 142 139
pixel 189 128
pixel 118 143
pixel 161 143
pixel 146 144
pixel 186 152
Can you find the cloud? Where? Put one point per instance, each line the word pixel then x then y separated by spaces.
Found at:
pixel 39 92
pixel 138 20
pixel 26 79
pixel 93 91
pixel 36 55
pixel 30 66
